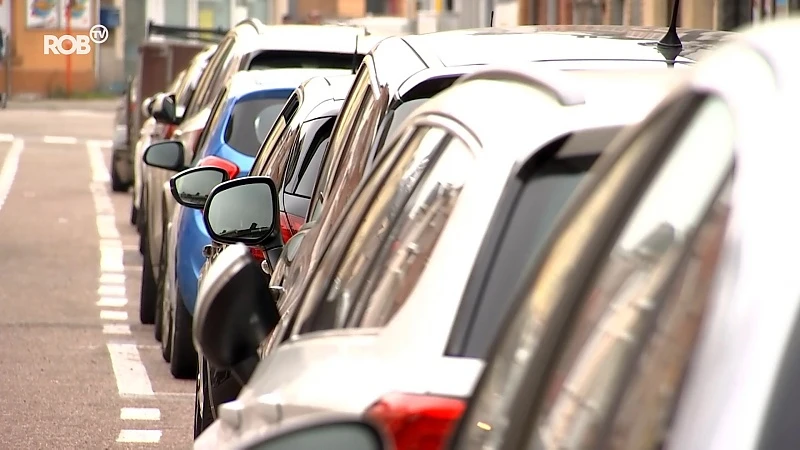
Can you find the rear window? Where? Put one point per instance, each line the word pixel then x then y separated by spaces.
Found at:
pixel 250 122
pixel 305 166
pixel 536 206
pixel 313 60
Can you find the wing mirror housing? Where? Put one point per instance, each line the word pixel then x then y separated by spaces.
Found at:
pixel 333 431
pixel 167 155
pixel 147 107
pixel 235 310
pixel 244 210
pixel 191 187
pixel 165 110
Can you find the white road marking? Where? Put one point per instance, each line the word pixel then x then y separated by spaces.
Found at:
pixel 102 143
pixel 109 290
pixel 128 369
pixel 5 137
pixel 112 278
pixel 159 394
pixel 67 140
pixel 140 414
pixel 112 302
pixel 116 329
pixel 139 436
pixel 113 315
pixel 9 170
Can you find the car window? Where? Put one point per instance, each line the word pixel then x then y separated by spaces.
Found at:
pixel 303 166
pixel 276 162
pixel 224 72
pixel 214 118
pixel 276 131
pixel 377 204
pixel 395 263
pixel 340 133
pixel 634 333
pixel 207 76
pixel 539 199
pixel 250 122
pixel 503 397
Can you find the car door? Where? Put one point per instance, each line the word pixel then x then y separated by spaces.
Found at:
pixel 594 355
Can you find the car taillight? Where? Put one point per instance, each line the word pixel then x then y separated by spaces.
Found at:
pixel 168 130
pixel 224 164
pixel 417 422
pixel 289 226
pixel 257 253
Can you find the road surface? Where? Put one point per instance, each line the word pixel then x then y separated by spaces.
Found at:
pixel 77 370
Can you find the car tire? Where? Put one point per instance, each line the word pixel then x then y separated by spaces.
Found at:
pixel 117 185
pixel 183 357
pixel 166 335
pixel 148 291
pixel 202 408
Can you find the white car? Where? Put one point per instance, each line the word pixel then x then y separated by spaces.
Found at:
pixel 388 335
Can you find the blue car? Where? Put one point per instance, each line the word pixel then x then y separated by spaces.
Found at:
pixel 242 116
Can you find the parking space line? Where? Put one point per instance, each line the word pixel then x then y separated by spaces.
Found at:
pixel 111 290
pixel 9 170
pixel 113 315
pixel 5 137
pixel 114 328
pixel 140 414
pixel 139 436
pixel 112 302
pixel 67 140
pixel 129 371
pixel 112 278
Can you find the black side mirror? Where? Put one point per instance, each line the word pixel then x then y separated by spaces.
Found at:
pixel 191 187
pixel 333 431
pixel 165 109
pixel 147 107
pixel 167 155
pixel 235 310
pixel 244 210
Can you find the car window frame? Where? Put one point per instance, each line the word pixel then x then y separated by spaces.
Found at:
pixel 219 109
pixel 198 100
pixel 300 161
pixel 623 171
pixel 276 132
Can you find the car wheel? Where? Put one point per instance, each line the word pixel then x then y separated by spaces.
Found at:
pixel 202 403
pixel 117 185
pixel 148 291
pixel 162 284
pixel 166 332
pixel 183 357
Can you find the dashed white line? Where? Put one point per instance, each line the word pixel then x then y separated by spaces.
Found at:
pixel 112 302
pixel 140 414
pixel 67 140
pixel 111 290
pixel 5 137
pixel 117 329
pixel 112 278
pixel 9 170
pixel 131 375
pixel 139 436
pixel 113 315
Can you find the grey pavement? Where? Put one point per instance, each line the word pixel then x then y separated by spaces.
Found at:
pixel 105 104
pixel 75 373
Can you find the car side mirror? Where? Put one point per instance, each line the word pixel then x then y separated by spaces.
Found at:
pixel 244 210
pixel 147 107
pixel 167 155
pixel 165 109
pixel 235 310
pixel 332 431
pixel 191 187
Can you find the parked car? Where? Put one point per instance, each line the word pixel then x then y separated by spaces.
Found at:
pixel 240 121
pixel 249 46
pixel 120 169
pixel 183 87
pixel 376 319
pixel 291 154
pixel 650 328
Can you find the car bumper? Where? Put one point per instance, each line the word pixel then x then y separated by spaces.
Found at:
pixel 120 158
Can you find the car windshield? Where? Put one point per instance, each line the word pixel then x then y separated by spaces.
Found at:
pixel 250 122
pixel 274 59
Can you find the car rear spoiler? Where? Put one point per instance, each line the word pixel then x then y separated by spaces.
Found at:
pixel 212 35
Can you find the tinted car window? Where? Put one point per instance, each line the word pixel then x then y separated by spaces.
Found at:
pixel 377 204
pixel 274 59
pixel 304 163
pixel 635 331
pixel 538 201
pixel 395 265
pixel 207 76
pixel 276 131
pixel 249 123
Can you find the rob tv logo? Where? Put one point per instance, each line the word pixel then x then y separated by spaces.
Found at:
pixel 81 44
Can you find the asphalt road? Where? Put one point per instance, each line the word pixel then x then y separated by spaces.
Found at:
pixel 77 370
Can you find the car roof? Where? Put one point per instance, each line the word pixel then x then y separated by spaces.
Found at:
pixel 397 59
pixel 314 38
pixel 322 96
pixel 247 81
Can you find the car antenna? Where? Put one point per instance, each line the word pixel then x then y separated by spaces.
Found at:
pixel 355 56
pixel 670 46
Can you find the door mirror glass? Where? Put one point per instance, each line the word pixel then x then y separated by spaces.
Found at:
pixel 191 187
pixel 244 210
pixel 330 434
pixel 165 155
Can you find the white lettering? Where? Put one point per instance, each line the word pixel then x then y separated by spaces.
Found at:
pixel 67 44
